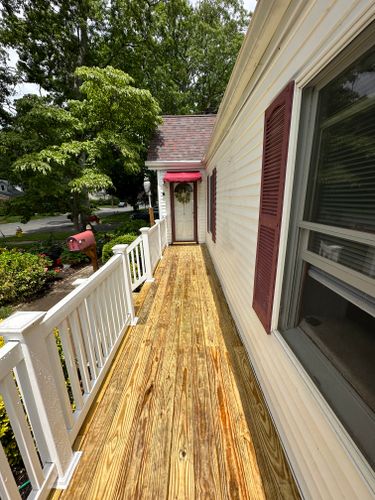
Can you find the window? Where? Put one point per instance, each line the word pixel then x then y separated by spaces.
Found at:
pixel 328 313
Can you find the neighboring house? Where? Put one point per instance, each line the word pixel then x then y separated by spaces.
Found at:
pixel 288 182
pixel 7 190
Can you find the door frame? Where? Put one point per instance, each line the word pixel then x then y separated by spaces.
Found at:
pixel 195 222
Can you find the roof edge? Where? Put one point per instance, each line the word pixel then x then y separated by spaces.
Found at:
pixel 162 164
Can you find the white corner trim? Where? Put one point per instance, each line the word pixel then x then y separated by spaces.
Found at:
pixel 63 482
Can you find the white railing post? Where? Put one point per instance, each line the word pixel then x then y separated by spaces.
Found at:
pixel 47 416
pixel 146 248
pixel 157 222
pixel 122 250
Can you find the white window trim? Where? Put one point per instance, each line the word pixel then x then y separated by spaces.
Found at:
pixel 359 466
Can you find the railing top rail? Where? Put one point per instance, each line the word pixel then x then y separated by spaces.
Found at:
pixel 66 305
pixel 153 228
pixel 10 356
pixel 134 244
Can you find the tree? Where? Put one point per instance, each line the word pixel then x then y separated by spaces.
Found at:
pixel 52 39
pixel 183 54
pixel 8 80
pixel 218 28
pixel 67 150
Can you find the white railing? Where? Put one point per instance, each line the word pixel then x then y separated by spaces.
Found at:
pixel 54 363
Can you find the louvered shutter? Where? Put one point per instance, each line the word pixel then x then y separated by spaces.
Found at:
pixel 275 152
pixel 213 206
pixel 208 204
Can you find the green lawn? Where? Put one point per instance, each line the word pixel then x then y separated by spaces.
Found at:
pixel 115 218
pixel 6 219
pixel 39 236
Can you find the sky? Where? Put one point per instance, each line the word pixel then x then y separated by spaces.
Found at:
pixel 32 88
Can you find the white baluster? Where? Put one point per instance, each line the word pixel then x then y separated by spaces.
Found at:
pixel 27 328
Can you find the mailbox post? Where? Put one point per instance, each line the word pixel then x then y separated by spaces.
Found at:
pixel 84 242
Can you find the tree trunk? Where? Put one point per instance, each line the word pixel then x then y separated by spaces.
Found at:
pixel 75 212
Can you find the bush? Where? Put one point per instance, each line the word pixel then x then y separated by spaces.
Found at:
pixel 125 239
pixel 73 258
pixel 22 275
pixel 131 227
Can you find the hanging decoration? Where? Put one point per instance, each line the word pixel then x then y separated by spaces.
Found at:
pixel 183 192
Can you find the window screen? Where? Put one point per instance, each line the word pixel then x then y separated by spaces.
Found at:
pixel 343 173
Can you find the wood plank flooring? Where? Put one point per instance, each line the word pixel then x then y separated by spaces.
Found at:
pixel 181 415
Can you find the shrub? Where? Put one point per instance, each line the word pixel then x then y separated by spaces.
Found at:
pixel 131 227
pixel 119 240
pixel 73 258
pixel 22 275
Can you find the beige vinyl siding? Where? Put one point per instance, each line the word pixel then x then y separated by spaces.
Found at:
pixel 325 461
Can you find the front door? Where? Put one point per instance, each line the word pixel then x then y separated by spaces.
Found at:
pixel 184 211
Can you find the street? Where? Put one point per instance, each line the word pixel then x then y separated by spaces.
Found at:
pixel 51 223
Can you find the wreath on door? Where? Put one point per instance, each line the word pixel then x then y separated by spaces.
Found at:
pixel 183 192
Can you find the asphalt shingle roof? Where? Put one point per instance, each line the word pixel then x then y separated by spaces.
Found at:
pixel 181 137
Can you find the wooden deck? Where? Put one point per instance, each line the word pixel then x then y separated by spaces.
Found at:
pixel 181 415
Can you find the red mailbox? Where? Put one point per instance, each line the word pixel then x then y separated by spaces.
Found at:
pixel 84 242
pixel 81 241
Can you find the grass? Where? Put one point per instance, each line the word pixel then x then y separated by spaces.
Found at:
pixel 116 218
pixel 38 236
pixel 6 219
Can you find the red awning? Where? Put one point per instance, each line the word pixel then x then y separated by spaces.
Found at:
pixel 182 176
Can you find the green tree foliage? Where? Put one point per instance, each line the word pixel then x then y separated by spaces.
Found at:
pixel 52 39
pixel 182 53
pixel 64 152
pixel 8 80
pixel 217 35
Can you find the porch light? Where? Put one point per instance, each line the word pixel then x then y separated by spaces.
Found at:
pixel 147 190
pixel 147 186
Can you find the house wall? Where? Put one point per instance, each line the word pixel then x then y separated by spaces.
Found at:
pixel 305 37
pixel 165 204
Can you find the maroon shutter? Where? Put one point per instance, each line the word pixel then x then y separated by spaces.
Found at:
pixel 275 152
pixel 208 204
pixel 213 206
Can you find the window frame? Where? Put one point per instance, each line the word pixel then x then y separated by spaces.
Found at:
pixel 298 256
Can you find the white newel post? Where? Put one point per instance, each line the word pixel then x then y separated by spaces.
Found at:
pixel 157 221
pixel 43 403
pixel 121 249
pixel 146 249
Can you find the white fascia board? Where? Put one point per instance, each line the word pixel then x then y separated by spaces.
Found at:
pixel 174 164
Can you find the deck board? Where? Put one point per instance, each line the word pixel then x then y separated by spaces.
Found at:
pixel 181 415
